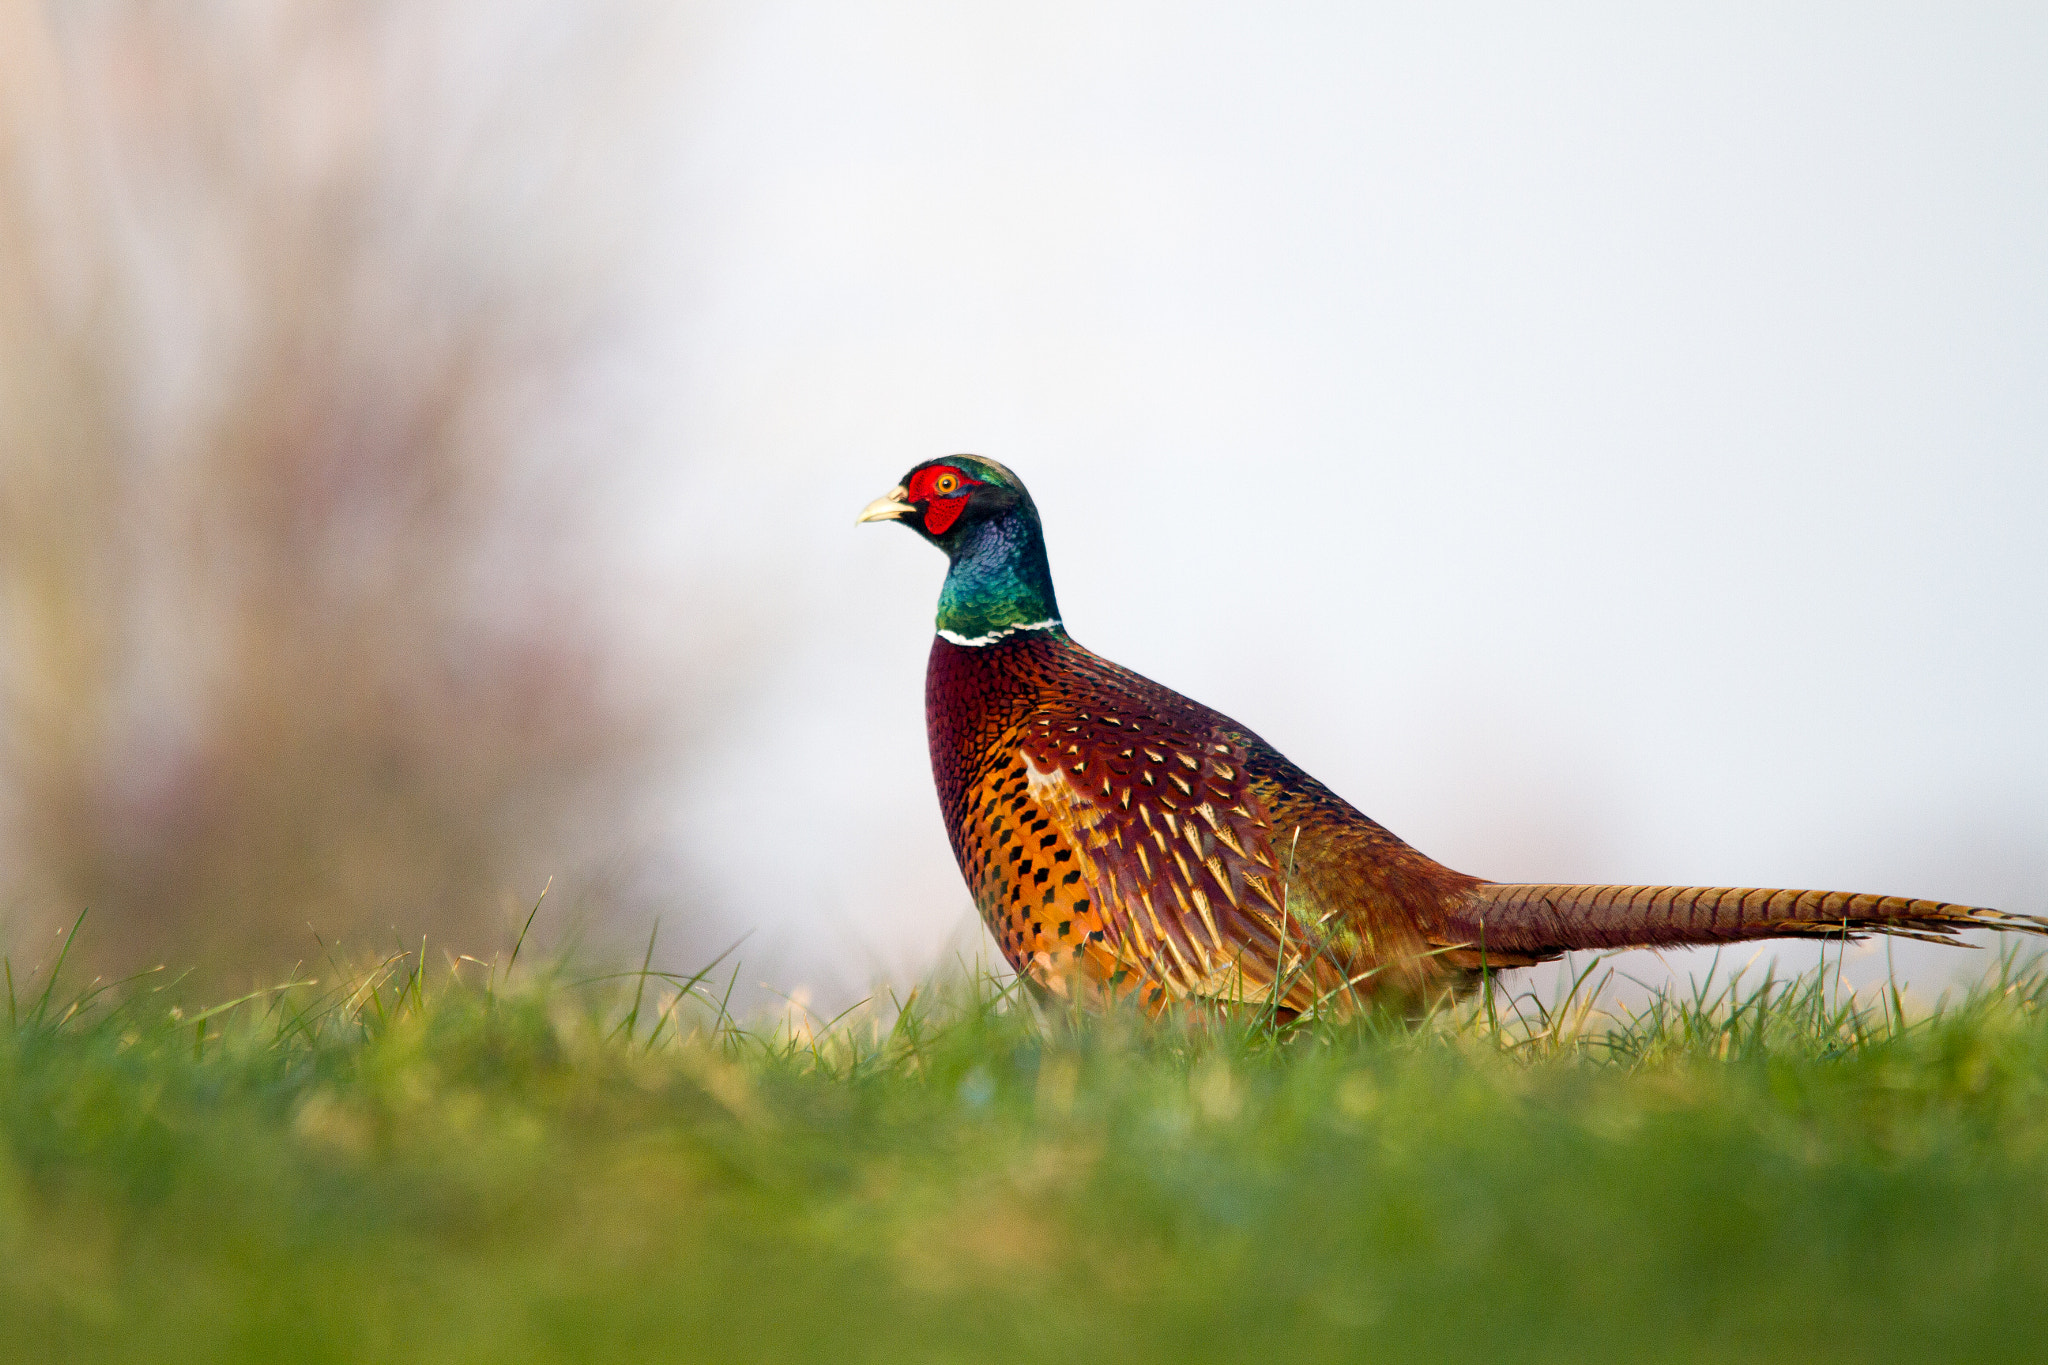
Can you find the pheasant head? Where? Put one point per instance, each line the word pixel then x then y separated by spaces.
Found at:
pixel 976 511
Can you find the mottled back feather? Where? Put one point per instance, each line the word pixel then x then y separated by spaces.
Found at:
pixel 1080 794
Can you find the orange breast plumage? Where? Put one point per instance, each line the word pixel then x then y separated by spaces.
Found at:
pixel 1109 831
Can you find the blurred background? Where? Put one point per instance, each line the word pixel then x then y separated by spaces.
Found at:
pixel 1605 444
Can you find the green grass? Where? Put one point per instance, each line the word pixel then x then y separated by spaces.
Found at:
pixel 462 1169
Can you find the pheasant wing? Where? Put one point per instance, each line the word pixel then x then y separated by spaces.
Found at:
pixel 1177 849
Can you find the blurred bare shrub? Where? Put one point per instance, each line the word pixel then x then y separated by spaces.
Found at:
pixel 298 623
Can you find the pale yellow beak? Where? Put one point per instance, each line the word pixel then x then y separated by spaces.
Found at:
pixel 889 507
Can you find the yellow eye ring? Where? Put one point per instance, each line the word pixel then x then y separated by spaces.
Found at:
pixel 946 483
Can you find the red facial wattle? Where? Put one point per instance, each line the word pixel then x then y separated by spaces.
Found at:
pixel 945 491
pixel 943 512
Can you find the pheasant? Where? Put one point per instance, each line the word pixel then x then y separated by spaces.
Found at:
pixel 1120 839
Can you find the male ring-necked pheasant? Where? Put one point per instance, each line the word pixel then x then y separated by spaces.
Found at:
pixel 1118 837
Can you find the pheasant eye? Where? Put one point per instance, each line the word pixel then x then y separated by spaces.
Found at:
pixel 945 484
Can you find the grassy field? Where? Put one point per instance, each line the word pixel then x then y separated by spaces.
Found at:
pixel 476 1165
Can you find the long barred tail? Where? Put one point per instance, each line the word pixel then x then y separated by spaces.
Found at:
pixel 1512 923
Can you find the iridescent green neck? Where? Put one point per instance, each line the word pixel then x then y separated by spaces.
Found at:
pixel 998 583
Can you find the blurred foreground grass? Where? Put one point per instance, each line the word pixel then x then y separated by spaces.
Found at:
pixel 498 1166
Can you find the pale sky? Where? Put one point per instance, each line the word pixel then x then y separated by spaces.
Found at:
pixel 1604 443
